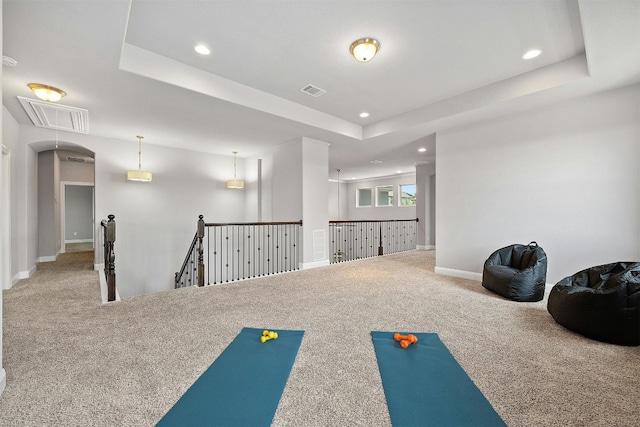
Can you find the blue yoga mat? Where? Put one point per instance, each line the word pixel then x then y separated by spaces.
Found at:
pixel 425 386
pixel 243 386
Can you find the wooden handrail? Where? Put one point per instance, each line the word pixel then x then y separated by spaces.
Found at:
pixel 372 220
pixel 219 224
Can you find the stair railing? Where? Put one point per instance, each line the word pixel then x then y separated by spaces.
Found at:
pixel 109 231
pixel 351 240
pixel 237 251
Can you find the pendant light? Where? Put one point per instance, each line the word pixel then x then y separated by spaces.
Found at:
pixel 235 183
pixel 139 175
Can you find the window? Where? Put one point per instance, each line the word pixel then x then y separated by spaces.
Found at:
pixel 408 195
pixel 384 195
pixel 363 197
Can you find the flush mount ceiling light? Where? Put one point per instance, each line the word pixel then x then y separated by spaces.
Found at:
pixel 202 49
pixel 422 149
pixel 364 49
pixel 46 93
pixel 139 175
pixel 235 183
pixel 531 54
pixel 364 114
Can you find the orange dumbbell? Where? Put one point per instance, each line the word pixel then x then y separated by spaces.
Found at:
pixel 405 340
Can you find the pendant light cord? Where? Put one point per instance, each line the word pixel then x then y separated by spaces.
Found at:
pixel 139 152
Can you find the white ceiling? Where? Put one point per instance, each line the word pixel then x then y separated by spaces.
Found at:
pixel 441 65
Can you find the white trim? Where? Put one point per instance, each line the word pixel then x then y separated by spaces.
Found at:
pixel 48 258
pixel 3 380
pixel 5 216
pixel 315 264
pixel 79 241
pixel 459 273
pixel 99 266
pixel 23 275
pixel 425 248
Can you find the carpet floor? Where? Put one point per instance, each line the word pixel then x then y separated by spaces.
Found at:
pixel 72 361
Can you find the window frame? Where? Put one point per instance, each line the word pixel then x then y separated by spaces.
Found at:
pixel 392 204
pixel 358 205
pixel 400 195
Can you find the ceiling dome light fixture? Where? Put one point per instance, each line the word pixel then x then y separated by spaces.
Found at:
pixel 364 114
pixel 531 54
pixel 46 93
pixel 235 183
pixel 202 49
pixel 364 49
pixel 139 175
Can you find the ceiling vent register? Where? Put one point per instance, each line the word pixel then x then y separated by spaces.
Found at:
pixel 55 116
pixel 313 91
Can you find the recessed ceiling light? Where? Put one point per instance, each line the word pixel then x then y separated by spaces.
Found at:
pixel 202 49
pixel 531 54
pixel 398 171
pixel 364 114
pixel 376 162
pixel 422 149
pixel 353 177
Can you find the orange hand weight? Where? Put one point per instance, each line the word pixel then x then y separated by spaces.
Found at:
pixel 410 338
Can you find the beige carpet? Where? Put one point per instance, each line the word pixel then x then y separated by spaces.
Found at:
pixel 71 361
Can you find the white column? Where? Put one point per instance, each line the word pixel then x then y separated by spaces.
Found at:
pixel 425 200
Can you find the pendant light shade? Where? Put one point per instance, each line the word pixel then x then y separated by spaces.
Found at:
pixel 235 183
pixel 139 175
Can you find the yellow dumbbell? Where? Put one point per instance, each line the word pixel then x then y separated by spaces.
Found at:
pixel 268 335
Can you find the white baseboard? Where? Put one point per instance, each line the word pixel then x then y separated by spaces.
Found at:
pixel 458 273
pixel 23 275
pixel 315 264
pixel 49 258
pixel 79 241
pixel 99 266
pixel 3 380
pixel 425 248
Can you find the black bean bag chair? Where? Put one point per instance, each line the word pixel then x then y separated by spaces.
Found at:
pixel 600 302
pixel 517 272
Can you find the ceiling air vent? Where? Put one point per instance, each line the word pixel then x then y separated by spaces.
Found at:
pixel 313 90
pixel 79 159
pixel 55 116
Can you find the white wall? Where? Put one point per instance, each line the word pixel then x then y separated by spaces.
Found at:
pixel 24 200
pixel 351 212
pixel 155 221
pixel 3 376
pixel 48 206
pixel 315 211
pixel 566 176
pixel 338 209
